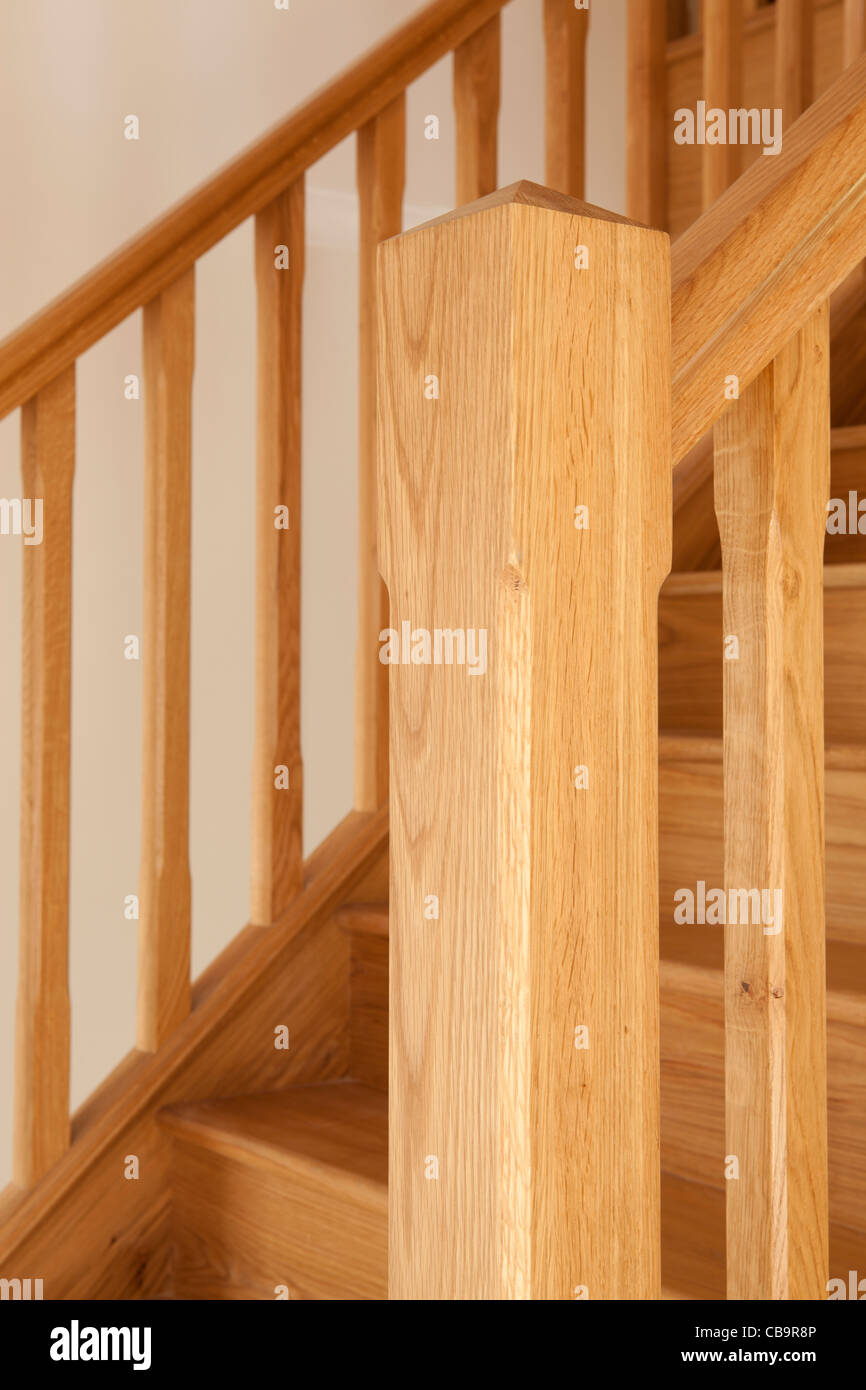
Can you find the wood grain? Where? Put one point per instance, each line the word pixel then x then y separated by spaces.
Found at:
pixel 368 1000
pixel 795 51
pixel 646 131
pixel 685 89
pixel 690 641
pixel 693 1241
pixel 381 180
pixel 853 30
pixel 297 976
pixel 693 1085
pixel 288 1188
pixel 722 34
pixel 565 34
pixel 140 270
pixel 477 511
pixel 41 1126
pixel 743 280
pixel 164 881
pixel 691 844
pixel 476 108
pixel 277 810
pixel 772 483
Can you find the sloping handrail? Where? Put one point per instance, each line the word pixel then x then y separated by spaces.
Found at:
pixel 52 339
pixel 750 271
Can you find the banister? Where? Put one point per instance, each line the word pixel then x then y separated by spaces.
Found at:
pixel 49 342
pixel 752 269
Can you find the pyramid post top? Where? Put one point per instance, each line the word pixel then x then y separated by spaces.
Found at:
pixel 528 194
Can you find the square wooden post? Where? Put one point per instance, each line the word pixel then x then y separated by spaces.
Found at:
pixel 524 530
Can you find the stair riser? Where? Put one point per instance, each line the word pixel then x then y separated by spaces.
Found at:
pixel 691 849
pixel 244 1229
pixel 693 1090
pixel 691 656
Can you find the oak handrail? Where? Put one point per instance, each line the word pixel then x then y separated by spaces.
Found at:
pixel 751 270
pixel 49 342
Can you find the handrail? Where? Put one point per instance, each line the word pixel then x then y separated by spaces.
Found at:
pixel 751 270
pixel 34 354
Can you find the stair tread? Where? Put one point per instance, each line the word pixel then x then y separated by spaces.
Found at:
pixel 850 574
pixel 338 1124
pixel 848 437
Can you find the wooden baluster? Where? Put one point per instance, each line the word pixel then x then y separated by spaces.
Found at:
pixel 678 20
pixel 853 47
pixel 853 31
pixel 794 59
pixel 41 1134
pixel 164 883
pixel 381 178
pixel 277 804
pixel 476 104
pixel 772 474
pixel 565 33
pixel 722 29
pixel 524 1018
pixel 647 133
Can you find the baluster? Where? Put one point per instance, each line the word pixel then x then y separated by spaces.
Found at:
pixel 381 178
pixel 565 33
pixel 853 47
pixel 164 882
pixel 647 133
pixel 41 1134
pixel 476 104
pixel 794 58
pixel 277 804
pixel 772 483
pixel 853 31
pixel 722 29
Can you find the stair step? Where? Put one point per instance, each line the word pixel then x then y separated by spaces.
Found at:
pixel 691 660
pixel 281 1191
pixel 693 1241
pixel 691 842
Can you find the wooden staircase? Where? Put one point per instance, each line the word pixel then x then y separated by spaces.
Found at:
pixel 284 1194
pixel 264 1168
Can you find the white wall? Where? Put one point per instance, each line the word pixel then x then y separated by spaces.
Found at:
pixel 205 77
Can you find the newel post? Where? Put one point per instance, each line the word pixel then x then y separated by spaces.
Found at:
pixel 524 530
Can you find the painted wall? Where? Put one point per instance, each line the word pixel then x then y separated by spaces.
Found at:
pixel 205 78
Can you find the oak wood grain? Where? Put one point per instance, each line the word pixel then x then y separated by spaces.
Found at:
pixel 381 180
pixel 476 107
pixel 722 35
pixel 772 482
pixel 294 974
pixel 477 513
pixel 743 281
pixel 41 1124
pixel 565 36
pixel 277 809
pixel 646 129
pixel 164 879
